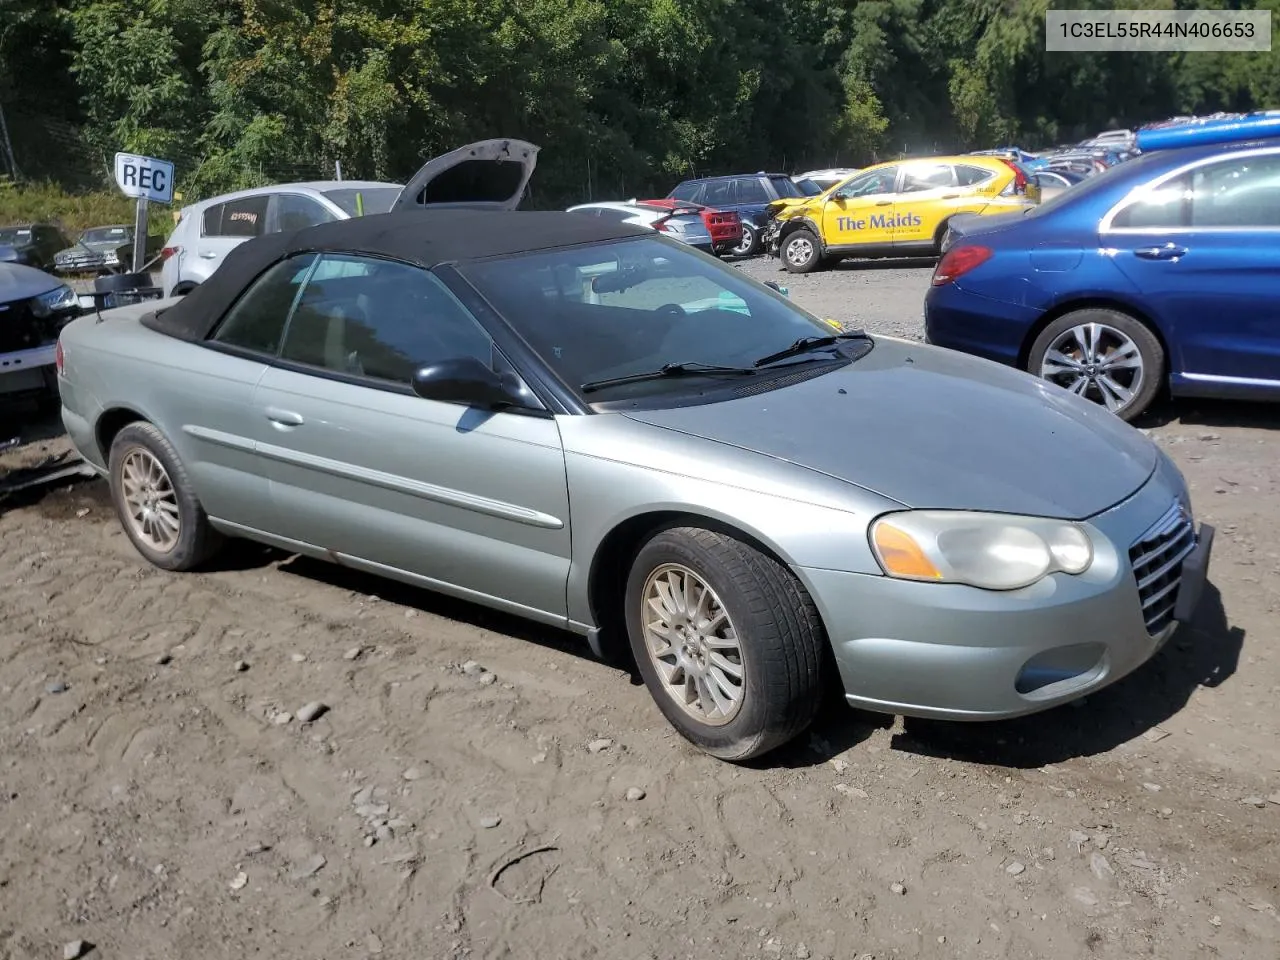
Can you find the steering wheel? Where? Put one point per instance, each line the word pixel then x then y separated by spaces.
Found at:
pixel 673 309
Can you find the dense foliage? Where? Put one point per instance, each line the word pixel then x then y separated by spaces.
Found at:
pixel 624 96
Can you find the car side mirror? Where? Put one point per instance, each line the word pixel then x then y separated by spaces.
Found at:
pixel 466 380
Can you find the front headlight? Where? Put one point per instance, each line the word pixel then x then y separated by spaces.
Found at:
pixel 60 298
pixel 987 550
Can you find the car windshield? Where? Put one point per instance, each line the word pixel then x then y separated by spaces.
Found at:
pixel 15 235
pixel 364 201
pixel 106 235
pixel 633 306
pixel 810 188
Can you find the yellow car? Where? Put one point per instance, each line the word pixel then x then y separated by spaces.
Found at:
pixel 895 209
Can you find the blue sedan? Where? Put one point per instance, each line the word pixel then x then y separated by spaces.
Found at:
pixel 1161 271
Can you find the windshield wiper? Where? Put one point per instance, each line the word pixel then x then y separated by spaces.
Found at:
pixel 805 344
pixel 690 368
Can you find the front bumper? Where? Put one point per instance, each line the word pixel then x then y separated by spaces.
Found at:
pixel 24 371
pixel 86 262
pixel 953 652
pixel 770 235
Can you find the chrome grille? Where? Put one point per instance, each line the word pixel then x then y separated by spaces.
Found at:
pixel 1157 565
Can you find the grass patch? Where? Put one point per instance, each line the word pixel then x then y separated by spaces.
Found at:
pixel 74 212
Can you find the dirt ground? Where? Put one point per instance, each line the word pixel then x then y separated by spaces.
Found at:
pixel 468 790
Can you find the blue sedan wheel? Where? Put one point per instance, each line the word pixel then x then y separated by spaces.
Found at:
pixel 1102 355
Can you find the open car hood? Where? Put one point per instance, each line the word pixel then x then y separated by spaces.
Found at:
pixel 492 174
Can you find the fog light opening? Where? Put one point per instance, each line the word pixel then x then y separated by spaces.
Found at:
pixel 1057 671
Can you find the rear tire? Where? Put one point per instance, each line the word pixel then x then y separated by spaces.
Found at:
pixel 743 674
pixel 155 501
pixel 801 251
pixel 1102 355
pixel 749 243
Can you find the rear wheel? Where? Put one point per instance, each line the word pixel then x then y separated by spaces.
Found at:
pixel 747 245
pixel 727 640
pixel 801 251
pixel 1102 355
pixel 155 502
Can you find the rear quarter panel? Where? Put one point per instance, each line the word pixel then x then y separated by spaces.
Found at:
pixel 118 366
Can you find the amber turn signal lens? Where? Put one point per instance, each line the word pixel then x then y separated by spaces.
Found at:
pixel 902 556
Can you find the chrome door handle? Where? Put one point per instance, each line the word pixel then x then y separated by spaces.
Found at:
pixel 208 255
pixel 950 196
pixel 1168 251
pixel 285 418
pixel 883 203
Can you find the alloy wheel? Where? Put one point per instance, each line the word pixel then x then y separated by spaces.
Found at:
pixel 1095 361
pixel 692 644
pixel 151 501
pixel 799 251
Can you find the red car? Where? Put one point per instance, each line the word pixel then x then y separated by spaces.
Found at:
pixel 725 227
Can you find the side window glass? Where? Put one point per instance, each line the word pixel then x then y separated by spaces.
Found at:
pixel 211 222
pixel 246 217
pixel 256 321
pixel 380 320
pixel 719 193
pixel 751 190
pixel 294 211
pixel 927 177
pixel 1243 192
pixel 688 192
pixel 1166 207
pixel 870 184
pixel 967 176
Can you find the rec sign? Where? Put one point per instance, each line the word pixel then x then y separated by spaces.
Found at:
pixel 145 178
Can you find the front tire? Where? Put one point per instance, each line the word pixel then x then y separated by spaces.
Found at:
pixel 727 640
pixel 1102 355
pixel 801 251
pixel 155 501
pixel 749 242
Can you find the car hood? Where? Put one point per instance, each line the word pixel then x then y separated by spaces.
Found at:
pixel 97 246
pixel 789 207
pixel 932 428
pixel 21 283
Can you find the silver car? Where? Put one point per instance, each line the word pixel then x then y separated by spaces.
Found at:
pixel 605 431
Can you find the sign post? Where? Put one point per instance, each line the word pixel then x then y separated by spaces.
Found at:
pixel 145 179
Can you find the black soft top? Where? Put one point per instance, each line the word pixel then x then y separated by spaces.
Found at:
pixel 423 237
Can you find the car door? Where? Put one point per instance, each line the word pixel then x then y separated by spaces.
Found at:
pixel 210 406
pixel 927 192
pixel 367 472
pixel 1203 251
pixel 860 214
pixel 752 199
pixel 223 227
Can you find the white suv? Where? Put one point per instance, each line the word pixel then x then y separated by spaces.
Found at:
pixel 207 231
pixel 489 173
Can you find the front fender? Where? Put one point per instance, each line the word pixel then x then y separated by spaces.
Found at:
pixel 619 469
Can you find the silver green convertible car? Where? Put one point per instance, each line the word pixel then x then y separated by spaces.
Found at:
pixel 605 431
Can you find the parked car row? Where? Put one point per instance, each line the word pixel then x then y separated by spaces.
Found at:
pixel 1161 273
